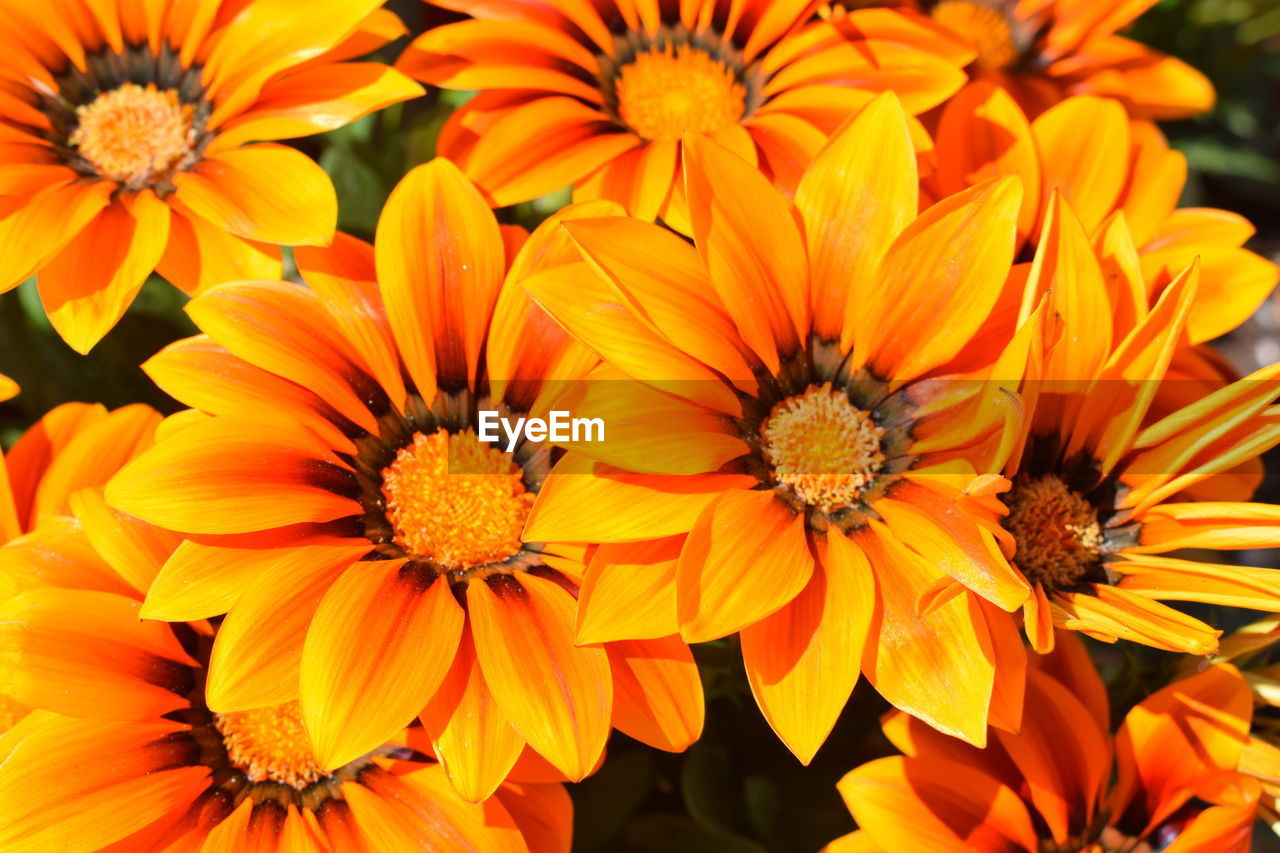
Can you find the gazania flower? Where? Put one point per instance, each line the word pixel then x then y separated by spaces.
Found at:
pixel 1165 781
pixel 599 95
pixel 782 460
pixel 1042 51
pixel 8 388
pixel 1101 491
pixel 131 141
pixel 123 753
pixel 365 542
pixel 1118 170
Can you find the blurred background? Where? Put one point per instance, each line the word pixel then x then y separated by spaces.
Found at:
pixel 738 790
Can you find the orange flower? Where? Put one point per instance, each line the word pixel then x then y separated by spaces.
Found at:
pixel 124 141
pixel 123 752
pixel 1117 170
pixel 599 95
pixel 780 460
pixel 344 512
pixel 1102 492
pixel 1051 786
pixel 1041 51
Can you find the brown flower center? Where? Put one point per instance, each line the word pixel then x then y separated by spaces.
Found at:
pixel 455 501
pixel 1056 530
pixel 822 447
pixel 134 134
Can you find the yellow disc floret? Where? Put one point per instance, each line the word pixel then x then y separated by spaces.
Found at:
pixel 824 448
pixel 1056 532
pixel 134 134
pixel 455 501
pixel 270 745
pixel 984 26
pixel 663 93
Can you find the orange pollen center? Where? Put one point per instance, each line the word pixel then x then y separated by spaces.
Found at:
pixel 663 93
pixel 1056 531
pixel 986 28
pixel 134 133
pixel 824 448
pixel 455 501
pixel 270 745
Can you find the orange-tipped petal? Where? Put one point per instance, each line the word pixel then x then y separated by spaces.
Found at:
pixel 262 192
pixel 746 557
pixel 803 661
pixel 440 264
pixel 379 645
pixel 629 592
pixel 657 694
pixel 472 737
pixel 934 666
pixel 856 197
pixel 556 694
pixel 88 285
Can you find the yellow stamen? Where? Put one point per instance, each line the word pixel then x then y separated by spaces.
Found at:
pixel 133 134
pixel 663 93
pixel 1056 531
pixel 270 745
pixel 455 501
pixel 823 447
pixel 984 26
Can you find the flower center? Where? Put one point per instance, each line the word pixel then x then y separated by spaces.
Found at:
pixel 986 27
pixel 665 92
pixel 270 745
pixel 133 134
pixel 822 447
pixel 455 501
pixel 1056 531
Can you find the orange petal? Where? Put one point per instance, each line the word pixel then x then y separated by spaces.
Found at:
pixel 746 557
pixel 58 793
pixel 556 694
pixel 1088 169
pixel 285 329
pixel 936 805
pixel 135 549
pixel 748 239
pixel 396 812
pixel 378 647
pixel 87 654
pixel 940 278
pixel 629 592
pixel 472 737
pixel 802 661
pixel 88 285
pixel 657 694
pixel 1062 755
pixel 624 507
pixel 258 648
pixel 859 193
pixel 224 476
pixel 544 814
pixel 440 264
pixel 44 224
pixel 1188 730
pixel 201 254
pixel 263 192
pixel 933 666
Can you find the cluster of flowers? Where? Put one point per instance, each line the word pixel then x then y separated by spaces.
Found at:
pixel 912 336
